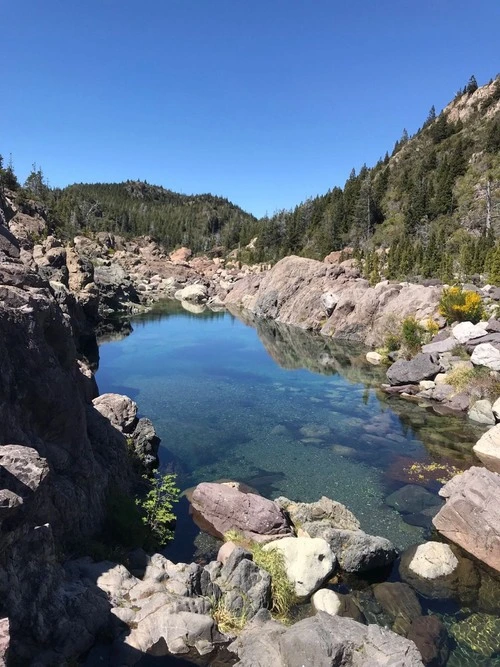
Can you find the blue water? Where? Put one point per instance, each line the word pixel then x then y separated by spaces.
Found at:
pixel 288 413
pixel 230 401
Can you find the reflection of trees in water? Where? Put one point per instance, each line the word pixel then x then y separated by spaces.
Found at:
pixel 445 437
pixel 294 348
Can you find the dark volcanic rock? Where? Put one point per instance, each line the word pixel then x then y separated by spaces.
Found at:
pixel 421 367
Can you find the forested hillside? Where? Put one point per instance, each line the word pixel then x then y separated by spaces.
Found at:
pixel 435 201
pixel 430 208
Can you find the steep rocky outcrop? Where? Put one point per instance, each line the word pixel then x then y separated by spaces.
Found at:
pixel 58 456
pixel 331 299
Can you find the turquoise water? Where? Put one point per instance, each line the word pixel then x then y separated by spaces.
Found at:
pixel 284 411
pixel 290 414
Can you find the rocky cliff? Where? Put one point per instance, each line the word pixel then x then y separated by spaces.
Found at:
pixel 58 454
pixel 331 299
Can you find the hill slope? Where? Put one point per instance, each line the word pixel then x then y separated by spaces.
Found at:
pixel 136 208
pixel 440 186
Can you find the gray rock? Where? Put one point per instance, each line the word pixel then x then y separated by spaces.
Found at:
pixel 146 443
pixel 493 326
pixel 247 589
pixel 323 641
pixel 325 509
pixel 421 367
pixel 482 412
pixel 355 550
pixel 441 346
pixel 120 410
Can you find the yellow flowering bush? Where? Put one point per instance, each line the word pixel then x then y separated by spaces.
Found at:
pixel 458 305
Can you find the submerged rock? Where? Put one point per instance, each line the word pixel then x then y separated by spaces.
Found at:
pixel 412 499
pixel 400 602
pixel 481 412
pixel 431 638
pixel 322 640
pixel 434 570
pixel 480 632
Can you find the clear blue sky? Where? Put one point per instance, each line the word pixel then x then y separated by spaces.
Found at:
pixel 265 102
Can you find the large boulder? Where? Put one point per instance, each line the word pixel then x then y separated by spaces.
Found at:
pixel 355 550
pixel 181 255
pixel 119 409
pixel 422 367
pixel 465 331
pixel 471 515
pixel 486 355
pixel 487 448
pixel 222 507
pixel 194 293
pixel 323 641
pixel 308 562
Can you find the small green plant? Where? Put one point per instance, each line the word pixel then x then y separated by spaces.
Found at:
pixel 392 342
pixel 412 334
pixel 157 504
pixel 460 352
pixel 458 305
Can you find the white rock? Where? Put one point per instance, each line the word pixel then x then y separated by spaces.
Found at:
pixel 433 560
pixel 441 378
pixel 309 561
pixel 465 331
pixel 482 412
pixel 329 300
pixel 426 384
pixel 192 293
pixel 486 355
pixel 374 358
pixel 487 448
pixel 327 601
pixel 496 408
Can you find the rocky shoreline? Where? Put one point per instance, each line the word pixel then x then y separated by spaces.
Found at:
pixel 64 447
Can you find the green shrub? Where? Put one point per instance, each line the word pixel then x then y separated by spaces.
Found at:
pixel 412 334
pixel 156 507
pixel 392 342
pixel 458 305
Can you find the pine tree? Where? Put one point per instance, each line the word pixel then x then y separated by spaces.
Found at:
pixel 431 116
pixel 471 86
